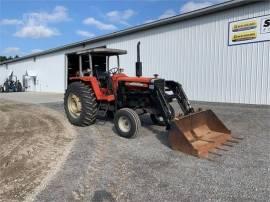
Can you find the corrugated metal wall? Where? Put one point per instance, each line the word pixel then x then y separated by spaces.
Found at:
pixel 48 69
pixel 195 53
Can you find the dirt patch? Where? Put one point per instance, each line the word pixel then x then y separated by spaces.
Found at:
pixel 32 140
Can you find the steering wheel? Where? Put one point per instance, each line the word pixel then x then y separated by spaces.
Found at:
pixel 113 70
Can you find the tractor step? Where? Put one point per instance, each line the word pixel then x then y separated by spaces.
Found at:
pixel 102 110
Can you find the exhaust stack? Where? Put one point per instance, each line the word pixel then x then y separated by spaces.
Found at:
pixel 138 63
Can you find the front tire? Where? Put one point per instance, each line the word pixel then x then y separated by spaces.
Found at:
pixel 80 104
pixel 6 87
pixel 127 123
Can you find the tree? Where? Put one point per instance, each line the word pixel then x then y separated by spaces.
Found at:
pixel 4 58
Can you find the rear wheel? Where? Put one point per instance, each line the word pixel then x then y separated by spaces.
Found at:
pixel 127 122
pixel 19 87
pixel 80 104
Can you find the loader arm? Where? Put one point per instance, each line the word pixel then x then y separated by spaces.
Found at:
pixel 162 99
pixel 180 95
pixel 163 106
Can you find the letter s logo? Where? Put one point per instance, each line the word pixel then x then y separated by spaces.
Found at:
pixel 266 23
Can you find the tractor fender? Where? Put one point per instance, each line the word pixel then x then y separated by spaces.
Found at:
pixel 94 84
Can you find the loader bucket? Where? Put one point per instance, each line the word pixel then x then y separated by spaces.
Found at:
pixel 198 133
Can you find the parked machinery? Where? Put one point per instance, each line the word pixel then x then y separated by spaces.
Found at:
pixel 12 84
pixel 102 90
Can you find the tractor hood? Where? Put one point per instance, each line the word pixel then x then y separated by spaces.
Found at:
pixel 124 77
pixel 136 79
pixel 144 82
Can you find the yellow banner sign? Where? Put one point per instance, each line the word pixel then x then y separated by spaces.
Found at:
pixel 243 36
pixel 243 26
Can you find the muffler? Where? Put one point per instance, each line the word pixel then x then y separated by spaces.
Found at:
pixel 198 133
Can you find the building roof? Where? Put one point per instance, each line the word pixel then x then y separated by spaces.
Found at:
pixel 204 11
pixel 103 51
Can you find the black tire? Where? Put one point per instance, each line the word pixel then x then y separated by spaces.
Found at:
pixel 158 120
pixel 6 87
pixel 133 120
pixel 87 99
pixel 19 87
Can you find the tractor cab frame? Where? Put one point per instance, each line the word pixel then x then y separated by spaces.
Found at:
pixel 90 62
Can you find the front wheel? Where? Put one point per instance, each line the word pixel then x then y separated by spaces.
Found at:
pixel 6 87
pixel 127 123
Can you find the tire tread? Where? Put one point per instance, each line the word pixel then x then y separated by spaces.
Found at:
pixel 88 101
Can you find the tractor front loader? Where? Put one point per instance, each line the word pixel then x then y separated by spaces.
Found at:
pixel 98 90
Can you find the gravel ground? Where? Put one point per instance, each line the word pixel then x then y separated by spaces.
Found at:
pixel 33 140
pixel 105 167
pixel 33 97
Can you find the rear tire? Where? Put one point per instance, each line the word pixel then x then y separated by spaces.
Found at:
pixel 80 104
pixel 19 87
pixel 127 123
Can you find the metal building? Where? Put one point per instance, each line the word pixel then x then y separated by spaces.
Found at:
pixel 219 54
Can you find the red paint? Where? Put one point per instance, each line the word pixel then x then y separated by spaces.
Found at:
pixel 103 94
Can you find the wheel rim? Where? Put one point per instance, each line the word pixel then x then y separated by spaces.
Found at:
pixel 74 105
pixel 124 124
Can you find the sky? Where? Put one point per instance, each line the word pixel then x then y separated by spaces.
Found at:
pixel 29 26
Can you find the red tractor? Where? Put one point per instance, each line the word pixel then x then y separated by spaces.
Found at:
pixel 98 90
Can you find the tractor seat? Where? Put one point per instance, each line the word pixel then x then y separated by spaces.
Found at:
pixel 102 77
pixel 87 72
pixel 105 81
